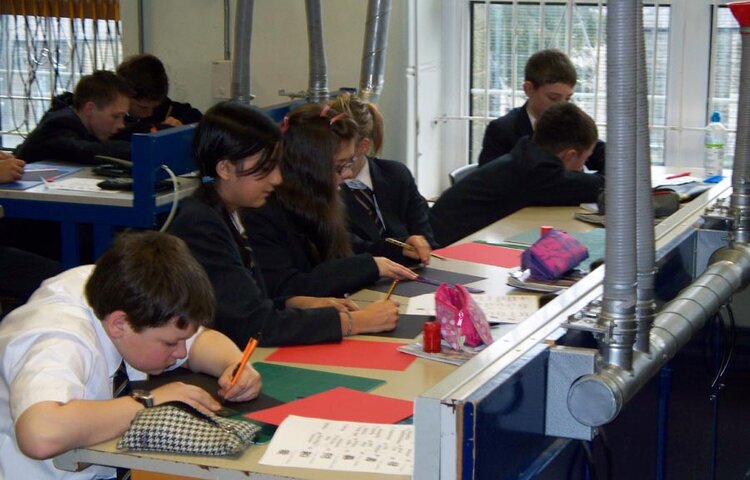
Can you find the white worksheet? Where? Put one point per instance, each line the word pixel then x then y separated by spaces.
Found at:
pixel 350 446
pixel 496 308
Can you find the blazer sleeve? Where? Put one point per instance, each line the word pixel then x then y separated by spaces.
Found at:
pixel 288 271
pixel 242 309
pixel 418 213
pixel 557 187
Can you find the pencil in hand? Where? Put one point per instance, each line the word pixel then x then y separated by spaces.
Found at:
pixel 390 290
pixel 249 349
pixel 406 246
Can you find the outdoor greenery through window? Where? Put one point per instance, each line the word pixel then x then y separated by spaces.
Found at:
pixel 505 34
pixel 45 48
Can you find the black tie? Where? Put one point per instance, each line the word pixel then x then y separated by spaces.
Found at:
pixel 120 388
pixel 366 197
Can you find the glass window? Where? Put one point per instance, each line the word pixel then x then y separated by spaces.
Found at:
pixel 44 55
pixel 725 89
pixel 505 34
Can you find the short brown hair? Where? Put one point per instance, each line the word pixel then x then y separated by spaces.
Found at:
pixel 550 66
pixel 146 76
pixel 564 125
pixel 153 278
pixel 366 115
pixel 101 87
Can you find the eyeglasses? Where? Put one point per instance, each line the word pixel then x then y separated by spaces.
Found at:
pixel 339 169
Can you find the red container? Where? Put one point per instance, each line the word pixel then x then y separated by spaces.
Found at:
pixel 431 337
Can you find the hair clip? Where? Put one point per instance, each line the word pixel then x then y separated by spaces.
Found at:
pixel 284 124
pixel 324 110
pixel 205 180
pixel 337 117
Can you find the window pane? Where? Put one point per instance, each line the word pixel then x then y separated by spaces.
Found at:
pixel 726 77
pixel 41 57
pixel 505 35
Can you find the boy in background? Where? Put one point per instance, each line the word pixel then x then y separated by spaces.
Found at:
pixel 150 107
pixel 549 78
pixel 80 125
pixel 545 170
pixel 140 309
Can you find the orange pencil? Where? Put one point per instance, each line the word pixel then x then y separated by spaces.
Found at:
pixel 249 349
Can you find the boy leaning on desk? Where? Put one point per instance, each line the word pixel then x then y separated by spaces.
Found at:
pixel 144 304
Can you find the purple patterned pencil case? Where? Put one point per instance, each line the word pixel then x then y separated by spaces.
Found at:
pixel 553 255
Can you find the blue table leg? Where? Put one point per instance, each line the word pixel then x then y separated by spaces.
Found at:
pixel 70 254
pixel 102 239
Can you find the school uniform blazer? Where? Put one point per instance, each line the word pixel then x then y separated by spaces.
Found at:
pixel 243 307
pixel 503 133
pixel 289 269
pixel 404 211
pixel 528 176
pixel 62 136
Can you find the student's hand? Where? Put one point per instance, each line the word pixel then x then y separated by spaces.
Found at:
pixel 11 168
pixel 376 317
pixel 172 122
pixel 389 268
pixel 190 394
pixel 246 388
pixel 340 304
pixel 422 249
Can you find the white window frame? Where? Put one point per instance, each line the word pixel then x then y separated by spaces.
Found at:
pixel 687 81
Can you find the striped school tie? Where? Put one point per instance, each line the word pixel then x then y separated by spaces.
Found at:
pixel 366 197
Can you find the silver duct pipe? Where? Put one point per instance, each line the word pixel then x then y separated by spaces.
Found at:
pixel 596 399
pixel 318 89
pixel 372 74
pixel 645 309
pixel 243 33
pixel 619 298
pixel 740 201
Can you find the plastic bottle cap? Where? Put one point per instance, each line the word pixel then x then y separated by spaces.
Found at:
pixel 715 117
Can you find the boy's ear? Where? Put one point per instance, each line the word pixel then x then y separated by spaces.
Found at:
pixel 528 88
pixel 116 324
pixel 569 158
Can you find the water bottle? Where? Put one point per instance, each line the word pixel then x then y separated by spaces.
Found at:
pixel 716 134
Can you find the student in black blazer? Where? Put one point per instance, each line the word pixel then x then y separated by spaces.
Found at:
pixel 549 78
pixel 398 210
pixel 300 236
pixel 236 149
pixel 542 171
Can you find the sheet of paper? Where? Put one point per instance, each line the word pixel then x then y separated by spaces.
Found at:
pixel 348 353
pixel 287 383
pixel 497 308
pixel 483 253
pixel 411 289
pixel 330 445
pixel 76 184
pixel 340 404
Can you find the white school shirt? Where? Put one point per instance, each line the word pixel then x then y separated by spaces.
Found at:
pixel 53 349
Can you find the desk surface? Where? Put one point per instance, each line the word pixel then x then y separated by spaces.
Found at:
pixel 419 377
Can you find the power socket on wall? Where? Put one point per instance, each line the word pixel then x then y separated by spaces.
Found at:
pixel 221 79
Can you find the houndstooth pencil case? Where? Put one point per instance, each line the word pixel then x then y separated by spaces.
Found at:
pixel 176 427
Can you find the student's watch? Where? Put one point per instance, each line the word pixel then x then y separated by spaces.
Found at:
pixel 144 397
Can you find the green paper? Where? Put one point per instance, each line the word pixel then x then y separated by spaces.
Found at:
pixel 287 384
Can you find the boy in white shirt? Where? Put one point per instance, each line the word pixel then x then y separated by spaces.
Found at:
pixel 145 303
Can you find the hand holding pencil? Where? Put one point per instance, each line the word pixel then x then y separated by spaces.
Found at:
pixel 416 247
pixel 244 380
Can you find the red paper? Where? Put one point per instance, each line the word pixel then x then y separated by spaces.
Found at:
pixel 348 353
pixel 484 253
pixel 341 404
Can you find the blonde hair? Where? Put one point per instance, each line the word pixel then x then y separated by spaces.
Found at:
pixel 366 115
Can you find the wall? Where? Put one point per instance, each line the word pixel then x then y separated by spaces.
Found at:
pixel 189 34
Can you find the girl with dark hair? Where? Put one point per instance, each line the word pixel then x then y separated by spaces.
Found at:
pixel 237 149
pixel 300 235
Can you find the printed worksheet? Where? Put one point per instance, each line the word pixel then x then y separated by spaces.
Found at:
pixel 350 446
